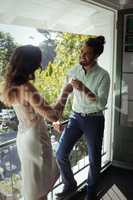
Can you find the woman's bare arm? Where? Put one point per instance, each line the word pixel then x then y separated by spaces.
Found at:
pixel 82 88
pixel 39 104
pixel 61 102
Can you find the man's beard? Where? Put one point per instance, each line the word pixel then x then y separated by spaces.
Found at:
pixel 83 62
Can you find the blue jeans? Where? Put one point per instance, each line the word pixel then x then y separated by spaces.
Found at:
pixel 92 127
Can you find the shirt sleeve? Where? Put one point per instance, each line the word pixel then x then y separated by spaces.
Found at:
pixel 103 91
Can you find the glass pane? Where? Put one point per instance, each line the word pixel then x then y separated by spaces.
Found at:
pixel 129 27
pixel 127 85
pixel 128 62
pixel 129 34
pixel 127 100
pixel 126 111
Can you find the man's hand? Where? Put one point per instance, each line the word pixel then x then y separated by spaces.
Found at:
pixel 58 126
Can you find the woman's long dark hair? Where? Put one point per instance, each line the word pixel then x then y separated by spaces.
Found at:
pixel 21 68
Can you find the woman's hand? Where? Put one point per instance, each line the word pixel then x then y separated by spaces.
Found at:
pixel 82 88
pixel 77 85
pixel 58 126
pixel 68 88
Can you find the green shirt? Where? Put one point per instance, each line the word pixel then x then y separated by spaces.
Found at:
pixel 98 81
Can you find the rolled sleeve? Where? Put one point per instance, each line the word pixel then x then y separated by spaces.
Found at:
pixel 103 92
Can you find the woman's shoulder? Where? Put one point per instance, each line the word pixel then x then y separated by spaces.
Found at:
pixel 28 87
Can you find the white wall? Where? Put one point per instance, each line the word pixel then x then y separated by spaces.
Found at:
pixel 104 24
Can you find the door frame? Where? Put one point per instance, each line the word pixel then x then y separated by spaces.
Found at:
pixel 119 129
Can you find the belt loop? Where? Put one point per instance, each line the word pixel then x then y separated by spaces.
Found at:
pixel 83 114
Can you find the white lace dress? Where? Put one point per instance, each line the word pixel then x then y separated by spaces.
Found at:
pixel 38 166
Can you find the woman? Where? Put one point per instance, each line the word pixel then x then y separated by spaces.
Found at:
pixel 39 169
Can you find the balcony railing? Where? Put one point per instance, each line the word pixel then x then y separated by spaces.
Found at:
pixel 10 169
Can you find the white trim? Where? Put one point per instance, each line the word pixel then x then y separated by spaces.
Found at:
pixel 103 4
pixel 110 4
pixel 114 81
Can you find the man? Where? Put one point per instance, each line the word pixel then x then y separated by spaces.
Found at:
pixel 90 85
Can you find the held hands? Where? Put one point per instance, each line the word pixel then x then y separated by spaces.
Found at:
pixel 77 85
pixel 68 88
pixel 58 126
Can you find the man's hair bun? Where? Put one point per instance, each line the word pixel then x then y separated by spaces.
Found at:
pixel 101 40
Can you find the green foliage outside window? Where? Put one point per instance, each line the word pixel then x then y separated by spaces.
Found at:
pixel 50 81
pixel 7 46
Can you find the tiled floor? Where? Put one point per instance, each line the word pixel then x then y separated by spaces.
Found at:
pixel 116 184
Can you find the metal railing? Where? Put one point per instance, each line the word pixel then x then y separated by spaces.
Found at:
pixel 10 176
